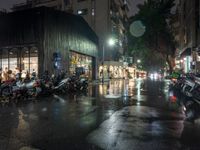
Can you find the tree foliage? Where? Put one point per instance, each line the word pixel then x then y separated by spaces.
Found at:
pixel 158 39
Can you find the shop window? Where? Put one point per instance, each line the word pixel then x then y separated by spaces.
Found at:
pixel 33 60
pixel 83 61
pixel 13 61
pixel 4 59
pixel 25 61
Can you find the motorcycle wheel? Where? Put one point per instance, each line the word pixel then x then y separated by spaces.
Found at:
pixel 6 92
pixel 190 115
pixel 196 95
pixel 190 111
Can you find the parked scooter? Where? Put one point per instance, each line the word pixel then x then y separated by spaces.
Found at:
pixel 62 86
pixel 6 88
pixel 186 91
pixel 192 110
pixel 188 85
pixel 72 83
pixel 46 87
pixel 196 90
pixel 82 84
pixel 24 90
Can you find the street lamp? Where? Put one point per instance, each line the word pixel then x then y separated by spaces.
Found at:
pixel 138 61
pixel 110 42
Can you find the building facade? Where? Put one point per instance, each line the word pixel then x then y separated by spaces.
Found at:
pixel 63 5
pixel 47 39
pixel 187 35
pixel 108 18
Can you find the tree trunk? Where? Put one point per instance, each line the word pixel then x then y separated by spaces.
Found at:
pixel 171 62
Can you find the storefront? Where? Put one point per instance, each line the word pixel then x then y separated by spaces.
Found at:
pixel 24 59
pixel 112 70
pixel 132 72
pixel 78 60
pixel 53 41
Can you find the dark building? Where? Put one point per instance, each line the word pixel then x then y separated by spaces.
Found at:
pixel 47 39
pixel 187 35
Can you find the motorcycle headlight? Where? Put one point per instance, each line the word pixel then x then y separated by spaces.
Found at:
pixel 184 109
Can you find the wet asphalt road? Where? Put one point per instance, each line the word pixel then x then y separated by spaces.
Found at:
pixel 121 114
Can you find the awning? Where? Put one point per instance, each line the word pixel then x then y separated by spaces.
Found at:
pixel 186 52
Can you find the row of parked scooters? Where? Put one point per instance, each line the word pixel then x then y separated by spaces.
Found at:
pixel 187 90
pixel 34 87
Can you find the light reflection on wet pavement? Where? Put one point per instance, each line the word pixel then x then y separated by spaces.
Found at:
pixel 121 114
pixel 140 128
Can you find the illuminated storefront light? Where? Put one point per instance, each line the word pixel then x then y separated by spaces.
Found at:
pixel 19 59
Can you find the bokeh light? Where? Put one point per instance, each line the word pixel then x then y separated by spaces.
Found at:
pixel 137 28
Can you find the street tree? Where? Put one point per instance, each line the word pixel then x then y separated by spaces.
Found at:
pixel 157 38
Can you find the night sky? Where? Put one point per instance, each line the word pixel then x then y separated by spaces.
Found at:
pixel 7 4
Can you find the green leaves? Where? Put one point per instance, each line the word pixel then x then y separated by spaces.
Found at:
pixel 157 39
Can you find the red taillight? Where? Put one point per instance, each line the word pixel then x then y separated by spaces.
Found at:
pixel 173 98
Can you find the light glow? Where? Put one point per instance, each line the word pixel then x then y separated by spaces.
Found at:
pixel 138 61
pixel 111 42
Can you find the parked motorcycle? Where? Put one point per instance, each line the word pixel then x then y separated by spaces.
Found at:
pixel 186 91
pixel 72 85
pixel 46 87
pixel 196 90
pixel 62 86
pixel 82 84
pixel 6 88
pixel 23 90
pixel 192 110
